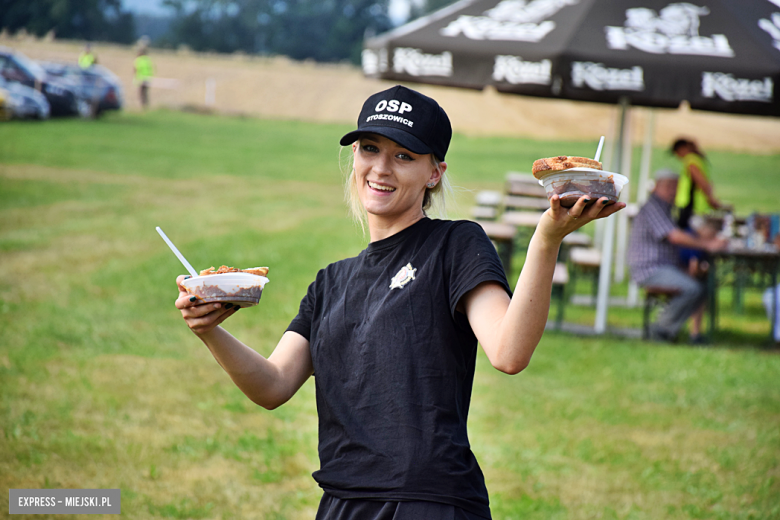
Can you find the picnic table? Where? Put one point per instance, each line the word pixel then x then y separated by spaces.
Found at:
pixel 729 267
pixel 527 219
pixel 521 203
pixel 524 185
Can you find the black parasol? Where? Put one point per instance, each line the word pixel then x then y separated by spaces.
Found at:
pixel 719 55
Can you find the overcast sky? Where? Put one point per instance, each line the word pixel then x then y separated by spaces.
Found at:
pixel 399 9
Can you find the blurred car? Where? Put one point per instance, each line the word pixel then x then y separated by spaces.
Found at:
pixel 62 95
pixel 96 83
pixel 5 114
pixel 23 102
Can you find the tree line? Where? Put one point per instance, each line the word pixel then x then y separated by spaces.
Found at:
pixel 93 20
pixel 322 30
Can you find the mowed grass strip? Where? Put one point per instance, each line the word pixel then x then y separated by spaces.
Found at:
pixel 102 386
pixel 166 144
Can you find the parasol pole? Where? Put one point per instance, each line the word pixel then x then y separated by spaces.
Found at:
pixel 602 300
pixel 609 146
pixel 643 191
pixel 625 196
pixel 647 156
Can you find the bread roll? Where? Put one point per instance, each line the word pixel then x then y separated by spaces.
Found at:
pixel 542 167
pixel 260 271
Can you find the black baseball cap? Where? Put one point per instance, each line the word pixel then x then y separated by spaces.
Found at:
pixel 407 117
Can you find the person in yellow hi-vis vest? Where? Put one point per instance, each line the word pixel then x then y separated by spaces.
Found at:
pixel 143 75
pixel 695 195
pixel 87 58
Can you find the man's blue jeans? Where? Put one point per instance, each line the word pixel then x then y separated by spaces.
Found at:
pixel 691 297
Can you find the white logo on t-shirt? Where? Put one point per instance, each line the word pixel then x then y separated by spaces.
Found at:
pixel 403 277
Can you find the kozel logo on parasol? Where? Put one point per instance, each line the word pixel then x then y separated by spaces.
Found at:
pixel 510 20
pixel 729 88
pixel 673 30
pixel 374 62
pixel 598 77
pixel 772 27
pixel 513 69
pixel 416 63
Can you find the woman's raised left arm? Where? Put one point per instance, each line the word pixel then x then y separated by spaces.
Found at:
pixel 509 329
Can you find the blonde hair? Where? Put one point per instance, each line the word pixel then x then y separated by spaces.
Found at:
pixel 434 200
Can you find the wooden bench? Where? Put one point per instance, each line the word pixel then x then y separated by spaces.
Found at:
pixel 572 240
pixel 514 202
pixel 654 296
pixel 529 219
pixel 503 236
pixel 588 260
pixel 488 198
pixel 578 239
pixel 525 222
pixel 487 205
pixel 524 185
pixel 484 213
pixel 585 257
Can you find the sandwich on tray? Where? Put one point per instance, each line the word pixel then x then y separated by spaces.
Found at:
pixel 543 167
pixel 259 271
pixel 240 287
pixel 571 177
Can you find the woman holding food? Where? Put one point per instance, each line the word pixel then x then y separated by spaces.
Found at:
pixel 391 335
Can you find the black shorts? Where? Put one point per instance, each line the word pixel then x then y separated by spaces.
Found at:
pixel 333 508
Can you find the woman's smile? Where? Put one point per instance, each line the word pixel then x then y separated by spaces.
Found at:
pixel 380 187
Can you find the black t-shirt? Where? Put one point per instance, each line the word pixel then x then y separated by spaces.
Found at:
pixel 394 365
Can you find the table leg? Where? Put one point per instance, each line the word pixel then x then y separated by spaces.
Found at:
pixel 775 302
pixel 506 256
pixel 560 292
pixel 740 275
pixel 712 298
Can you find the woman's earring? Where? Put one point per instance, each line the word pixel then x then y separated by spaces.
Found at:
pixel 431 184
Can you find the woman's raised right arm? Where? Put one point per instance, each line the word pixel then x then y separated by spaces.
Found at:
pixel 268 382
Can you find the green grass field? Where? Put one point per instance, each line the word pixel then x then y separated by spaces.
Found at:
pixel 103 386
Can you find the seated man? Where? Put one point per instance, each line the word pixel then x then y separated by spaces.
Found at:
pixel 654 257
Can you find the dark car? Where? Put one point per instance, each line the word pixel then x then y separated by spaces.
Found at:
pixel 96 83
pixel 23 102
pixel 62 95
